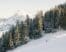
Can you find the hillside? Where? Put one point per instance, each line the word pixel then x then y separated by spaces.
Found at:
pixel 53 42
pixel 38 34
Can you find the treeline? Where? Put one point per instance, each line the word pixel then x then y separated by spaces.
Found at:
pixel 22 32
pixel 29 29
pixel 55 18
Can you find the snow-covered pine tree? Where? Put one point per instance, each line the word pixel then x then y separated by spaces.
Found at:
pixel 29 25
pixel 11 42
pixel 51 20
pixel 37 26
pixel 25 31
pixel 62 9
pixel 5 42
pixel 31 28
pixel 17 35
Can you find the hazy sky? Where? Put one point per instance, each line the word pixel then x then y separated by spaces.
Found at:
pixel 10 7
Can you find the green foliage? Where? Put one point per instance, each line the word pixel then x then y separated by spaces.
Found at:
pixel 4 42
pixel 62 21
pixel 36 27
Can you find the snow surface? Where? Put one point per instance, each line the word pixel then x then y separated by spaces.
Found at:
pixel 51 42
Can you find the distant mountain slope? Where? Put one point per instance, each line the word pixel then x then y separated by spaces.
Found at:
pixel 5 24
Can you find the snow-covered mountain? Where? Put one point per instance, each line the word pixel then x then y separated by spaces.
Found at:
pixel 5 24
pixel 52 42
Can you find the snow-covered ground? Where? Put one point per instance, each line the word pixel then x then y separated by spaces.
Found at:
pixel 52 42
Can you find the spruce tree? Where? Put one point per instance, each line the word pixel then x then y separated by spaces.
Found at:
pixel 17 35
pixel 37 26
pixel 11 37
pixel 25 33
pixel 5 42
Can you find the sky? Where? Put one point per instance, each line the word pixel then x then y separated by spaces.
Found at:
pixel 10 7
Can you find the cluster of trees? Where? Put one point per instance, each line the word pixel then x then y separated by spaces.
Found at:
pixel 51 20
pixel 32 28
pixel 62 16
pixel 55 18
pixel 22 32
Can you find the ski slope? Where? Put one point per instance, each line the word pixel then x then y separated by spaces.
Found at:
pixel 52 42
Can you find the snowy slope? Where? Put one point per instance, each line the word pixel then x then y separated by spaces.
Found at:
pixel 53 42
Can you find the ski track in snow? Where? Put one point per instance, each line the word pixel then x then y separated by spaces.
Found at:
pixel 52 42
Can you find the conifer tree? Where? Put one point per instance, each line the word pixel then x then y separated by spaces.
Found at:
pixel 39 21
pixel 37 26
pixel 5 42
pixel 17 35
pixel 11 42
pixel 25 33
